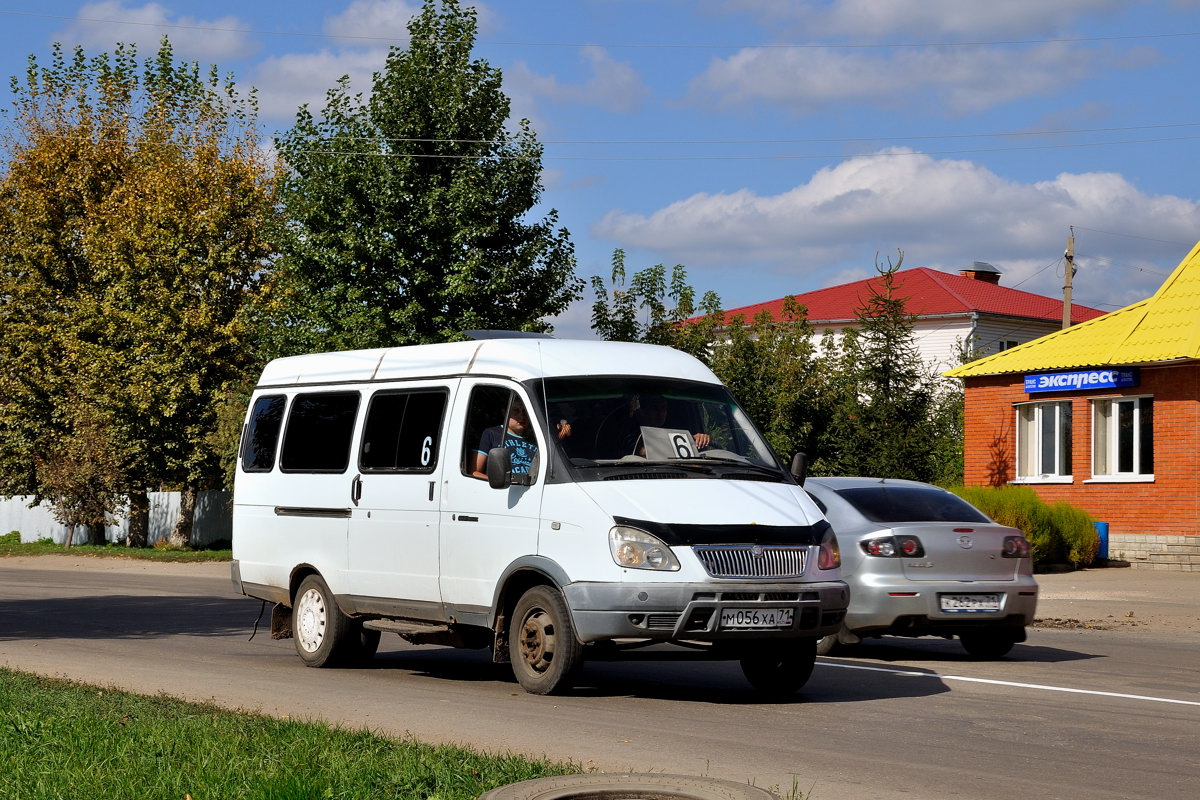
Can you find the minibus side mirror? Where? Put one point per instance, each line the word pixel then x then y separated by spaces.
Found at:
pixel 499 468
pixel 800 467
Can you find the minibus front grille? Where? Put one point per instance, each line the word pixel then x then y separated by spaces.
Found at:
pixel 752 561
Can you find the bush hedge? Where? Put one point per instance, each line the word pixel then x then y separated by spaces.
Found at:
pixel 1059 534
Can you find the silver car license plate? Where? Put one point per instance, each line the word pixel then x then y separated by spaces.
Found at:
pixel 969 603
pixel 756 618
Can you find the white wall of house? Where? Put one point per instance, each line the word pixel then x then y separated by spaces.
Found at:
pixel 940 339
pixel 213 521
pixel 992 331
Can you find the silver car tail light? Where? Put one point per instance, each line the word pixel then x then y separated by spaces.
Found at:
pixel 1015 547
pixel 893 547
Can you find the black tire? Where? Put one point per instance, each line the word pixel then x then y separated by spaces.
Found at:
pixel 323 634
pixel 542 645
pixel 987 644
pixel 781 669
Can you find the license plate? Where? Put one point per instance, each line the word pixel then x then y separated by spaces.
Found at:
pixel 969 603
pixel 756 618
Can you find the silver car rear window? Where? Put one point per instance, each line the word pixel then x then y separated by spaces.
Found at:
pixel 910 504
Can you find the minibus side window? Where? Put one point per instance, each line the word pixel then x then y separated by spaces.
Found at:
pixel 262 433
pixel 488 409
pixel 318 434
pixel 403 432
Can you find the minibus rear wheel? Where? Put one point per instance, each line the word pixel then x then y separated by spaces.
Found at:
pixel 322 632
pixel 778 669
pixel 542 645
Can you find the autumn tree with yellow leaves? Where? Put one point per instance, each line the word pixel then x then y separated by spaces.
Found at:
pixel 135 214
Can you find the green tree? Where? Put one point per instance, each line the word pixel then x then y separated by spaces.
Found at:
pixel 134 215
pixel 886 421
pixel 772 366
pixel 653 310
pixel 408 211
pixel 863 403
pixel 768 363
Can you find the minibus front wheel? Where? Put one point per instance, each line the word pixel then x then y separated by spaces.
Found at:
pixel 542 645
pixel 322 632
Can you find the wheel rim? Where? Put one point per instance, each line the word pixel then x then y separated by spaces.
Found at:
pixel 537 640
pixel 311 620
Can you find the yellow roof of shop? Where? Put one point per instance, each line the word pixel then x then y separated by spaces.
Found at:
pixel 1165 327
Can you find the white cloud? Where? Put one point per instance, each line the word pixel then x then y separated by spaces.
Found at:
pixel 939 212
pixel 612 85
pixel 930 20
pixel 364 32
pixel 286 82
pixel 99 26
pixel 576 321
pixel 373 22
pixel 957 80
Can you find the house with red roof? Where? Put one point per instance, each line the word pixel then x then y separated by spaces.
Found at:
pixel 950 311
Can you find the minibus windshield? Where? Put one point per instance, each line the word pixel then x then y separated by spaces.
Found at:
pixel 611 420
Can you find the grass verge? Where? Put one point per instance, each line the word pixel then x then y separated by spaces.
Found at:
pixel 60 739
pixel 11 545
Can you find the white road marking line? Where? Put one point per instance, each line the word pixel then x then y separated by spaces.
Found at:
pixel 1042 687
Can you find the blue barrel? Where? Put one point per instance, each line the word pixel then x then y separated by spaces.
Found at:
pixel 1102 529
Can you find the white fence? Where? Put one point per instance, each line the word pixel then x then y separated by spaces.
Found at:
pixel 213 521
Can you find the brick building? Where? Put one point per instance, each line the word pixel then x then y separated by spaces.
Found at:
pixel 1105 415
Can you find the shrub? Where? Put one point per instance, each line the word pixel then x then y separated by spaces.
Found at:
pixel 1058 534
pixel 1078 530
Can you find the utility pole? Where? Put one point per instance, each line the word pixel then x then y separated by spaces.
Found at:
pixel 1069 272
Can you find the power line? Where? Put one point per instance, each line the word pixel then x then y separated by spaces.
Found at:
pixel 824 140
pixel 1133 236
pixel 628 45
pixel 770 157
pixel 363 153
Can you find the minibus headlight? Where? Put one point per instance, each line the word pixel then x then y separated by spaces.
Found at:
pixel 830 555
pixel 635 549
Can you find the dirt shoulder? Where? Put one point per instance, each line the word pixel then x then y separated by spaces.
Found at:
pixel 1120 599
pixel 70 562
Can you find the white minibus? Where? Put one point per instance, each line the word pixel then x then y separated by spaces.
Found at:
pixel 550 500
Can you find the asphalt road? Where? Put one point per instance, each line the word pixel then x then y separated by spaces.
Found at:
pixel 1106 708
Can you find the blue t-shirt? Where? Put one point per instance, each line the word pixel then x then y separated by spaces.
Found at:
pixel 523 450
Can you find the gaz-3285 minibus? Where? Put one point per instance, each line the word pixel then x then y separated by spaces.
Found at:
pixel 550 500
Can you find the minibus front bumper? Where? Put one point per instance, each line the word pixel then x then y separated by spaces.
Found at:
pixel 706 611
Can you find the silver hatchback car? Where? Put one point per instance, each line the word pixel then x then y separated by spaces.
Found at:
pixel 921 561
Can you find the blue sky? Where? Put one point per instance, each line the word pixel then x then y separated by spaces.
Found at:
pixel 776 147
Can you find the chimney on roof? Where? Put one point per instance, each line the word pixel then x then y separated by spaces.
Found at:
pixel 981 271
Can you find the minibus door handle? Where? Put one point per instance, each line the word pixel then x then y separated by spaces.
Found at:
pixel 356 489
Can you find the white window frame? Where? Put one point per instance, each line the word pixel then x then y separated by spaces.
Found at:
pixel 1106 439
pixel 1032 422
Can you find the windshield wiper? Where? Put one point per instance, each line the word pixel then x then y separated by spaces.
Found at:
pixel 749 465
pixel 690 465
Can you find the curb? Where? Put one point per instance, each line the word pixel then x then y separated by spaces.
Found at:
pixel 627 786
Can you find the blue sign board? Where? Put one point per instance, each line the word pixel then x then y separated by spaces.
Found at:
pixel 1081 381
